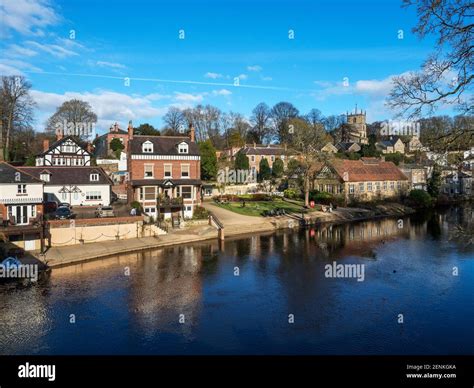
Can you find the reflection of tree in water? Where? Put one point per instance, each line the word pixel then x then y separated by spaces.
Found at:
pixel 463 230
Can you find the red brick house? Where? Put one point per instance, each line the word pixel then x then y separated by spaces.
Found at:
pixel 165 174
pixel 102 143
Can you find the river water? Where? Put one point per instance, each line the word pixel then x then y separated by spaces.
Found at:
pixel 416 296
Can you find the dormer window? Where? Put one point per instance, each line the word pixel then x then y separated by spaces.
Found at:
pixel 44 176
pixel 94 177
pixel 147 147
pixel 183 148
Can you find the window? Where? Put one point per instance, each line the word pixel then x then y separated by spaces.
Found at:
pixel 385 185
pixel 186 192
pixel 33 210
pixel 377 186
pixel 21 189
pixel 168 169
pixel 148 171
pixel 252 158
pixel 272 158
pixel 183 148
pixel 149 210
pixel 149 193
pixel 64 196
pixel 44 177
pixel 147 147
pixel 399 185
pixel 392 185
pixel 185 171
pixel 351 189
pixel 94 177
pixel 369 186
pixel 361 187
pixel 93 195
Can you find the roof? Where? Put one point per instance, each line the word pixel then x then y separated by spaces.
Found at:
pixel 115 132
pixel 69 175
pixel 346 145
pixel 361 171
pixel 10 174
pixel 161 182
pixel 163 145
pixel 59 142
pixel 263 150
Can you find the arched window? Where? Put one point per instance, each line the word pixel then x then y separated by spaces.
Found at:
pixel 147 147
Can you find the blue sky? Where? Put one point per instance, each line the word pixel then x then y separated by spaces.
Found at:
pixel 222 40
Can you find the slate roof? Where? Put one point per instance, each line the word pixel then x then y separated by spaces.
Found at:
pixel 345 145
pixel 263 150
pixel 360 171
pixel 9 174
pixel 163 145
pixel 69 175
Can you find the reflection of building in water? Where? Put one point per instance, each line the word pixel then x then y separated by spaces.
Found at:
pixel 167 284
pixel 354 237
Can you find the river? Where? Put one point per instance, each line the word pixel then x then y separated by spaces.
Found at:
pixel 261 294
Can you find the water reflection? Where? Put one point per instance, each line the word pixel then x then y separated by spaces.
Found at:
pixel 132 303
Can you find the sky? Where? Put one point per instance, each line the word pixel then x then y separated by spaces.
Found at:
pixel 329 55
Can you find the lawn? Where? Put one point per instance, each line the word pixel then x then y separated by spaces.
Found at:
pixel 255 208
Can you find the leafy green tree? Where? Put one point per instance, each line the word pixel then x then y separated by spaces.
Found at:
pixel 420 198
pixel 395 157
pixel 278 168
pixel 208 160
pixel 241 161
pixel 369 150
pixel 265 172
pixel 116 146
pixel 433 185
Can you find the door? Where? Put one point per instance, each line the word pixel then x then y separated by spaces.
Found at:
pixel 21 215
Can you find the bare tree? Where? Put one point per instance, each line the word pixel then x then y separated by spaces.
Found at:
pixel 16 110
pixel 175 120
pixel 261 123
pixel 447 75
pixel 75 118
pixel 305 144
pixel 282 113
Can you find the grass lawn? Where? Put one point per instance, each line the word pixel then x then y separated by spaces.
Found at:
pixel 256 208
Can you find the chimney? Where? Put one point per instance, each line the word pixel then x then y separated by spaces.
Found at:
pixel 116 127
pixel 45 145
pixel 130 130
pixel 254 145
pixel 59 134
pixel 192 133
pixel 89 147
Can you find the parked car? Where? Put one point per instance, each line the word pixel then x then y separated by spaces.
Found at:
pixel 63 213
pixel 104 211
pixel 65 204
pixel 50 206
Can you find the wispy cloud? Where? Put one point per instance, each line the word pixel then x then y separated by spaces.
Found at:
pixel 213 75
pixel 15 50
pixel 27 17
pixel 53 49
pixel 255 68
pixel 113 65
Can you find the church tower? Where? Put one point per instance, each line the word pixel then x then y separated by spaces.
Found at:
pixel 357 122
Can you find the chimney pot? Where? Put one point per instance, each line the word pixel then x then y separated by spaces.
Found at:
pixel 192 133
pixel 45 145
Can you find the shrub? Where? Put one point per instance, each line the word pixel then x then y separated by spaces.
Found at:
pixel 136 205
pixel 290 193
pixel 420 198
pixel 200 213
pixel 260 197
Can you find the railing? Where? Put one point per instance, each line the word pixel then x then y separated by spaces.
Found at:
pixel 217 223
pixel 170 201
